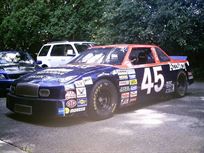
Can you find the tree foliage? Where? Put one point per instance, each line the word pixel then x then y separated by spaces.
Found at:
pixel 172 24
pixel 27 24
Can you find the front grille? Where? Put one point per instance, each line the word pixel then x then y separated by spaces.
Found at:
pixel 14 76
pixel 27 89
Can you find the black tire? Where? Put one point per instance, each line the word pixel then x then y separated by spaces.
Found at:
pixel 44 66
pixel 103 100
pixel 181 84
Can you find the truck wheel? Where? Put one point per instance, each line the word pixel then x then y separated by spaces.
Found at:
pixel 103 100
pixel 181 84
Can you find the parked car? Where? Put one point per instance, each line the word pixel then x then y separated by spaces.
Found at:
pixel 14 64
pixel 99 81
pixel 58 53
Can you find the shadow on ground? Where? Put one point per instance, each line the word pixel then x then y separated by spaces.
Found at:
pixel 74 120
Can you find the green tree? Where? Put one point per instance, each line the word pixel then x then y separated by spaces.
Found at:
pixel 24 26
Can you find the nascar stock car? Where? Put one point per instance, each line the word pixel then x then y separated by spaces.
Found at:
pixel 99 81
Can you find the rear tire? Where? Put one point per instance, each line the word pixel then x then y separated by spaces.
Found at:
pixel 103 100
pixel 181 84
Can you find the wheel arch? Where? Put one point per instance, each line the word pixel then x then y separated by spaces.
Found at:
pixel 180 72
pixel 112 80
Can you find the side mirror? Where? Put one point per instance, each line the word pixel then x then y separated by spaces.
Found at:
pixel 70 52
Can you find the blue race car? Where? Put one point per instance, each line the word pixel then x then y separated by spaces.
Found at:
pixel 99 81
pixel 14 64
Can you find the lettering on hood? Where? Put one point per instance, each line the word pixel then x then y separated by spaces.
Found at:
pixel 55 71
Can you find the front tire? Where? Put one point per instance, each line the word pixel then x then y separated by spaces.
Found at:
pixel 103 100
pixel 181 84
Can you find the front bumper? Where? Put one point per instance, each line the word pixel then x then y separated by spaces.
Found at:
pixel 5 86
pixel 35 106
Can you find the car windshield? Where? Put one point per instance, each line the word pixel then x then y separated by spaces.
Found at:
pixel 110 55
pixel 14 57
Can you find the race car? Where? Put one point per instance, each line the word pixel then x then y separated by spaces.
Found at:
pixel 99 81
pixel 14 64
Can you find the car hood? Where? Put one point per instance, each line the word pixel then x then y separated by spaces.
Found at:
pixel 16 68
pixel 61 75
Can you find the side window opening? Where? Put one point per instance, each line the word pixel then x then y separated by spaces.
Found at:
pixel 44 51
pixel 62 50
pixel 141 56
pixel 162 57
pixel 82 47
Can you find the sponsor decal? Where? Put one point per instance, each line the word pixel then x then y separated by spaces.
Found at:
pixel 133 94
pixel 67 79
pixel 34 77
pixel 125 95
pixel 78 66
pixel 87 80
pixel 81 92
pixel 131 71
pixel 71 103
pixel 177 66
pixel 123 77
pixel 70 95
pixel 133 82
pixel 69 86
pixel 79 83
pixel 132 76
pixel 169 87
pixel 66 110
pixel 81 109
pixel 104 74
pixel 124 89
pixel 133 88
pixel 60 111
pixel 123 83
pixel 124 101
pixel 81 102
pixel 132 100
pixel 11 69
pixel 55 71
pixel 122 72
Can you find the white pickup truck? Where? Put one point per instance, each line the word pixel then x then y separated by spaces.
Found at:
pixel 58 53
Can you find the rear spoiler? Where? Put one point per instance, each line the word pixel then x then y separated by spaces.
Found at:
pixel 179 57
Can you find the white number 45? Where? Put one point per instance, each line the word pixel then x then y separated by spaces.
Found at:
pixel 147 80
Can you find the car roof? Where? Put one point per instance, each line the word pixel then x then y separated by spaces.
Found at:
pixel 124 46
pixel 69 42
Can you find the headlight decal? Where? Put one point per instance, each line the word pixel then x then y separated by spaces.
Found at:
pixel 44 92
pixel 2 77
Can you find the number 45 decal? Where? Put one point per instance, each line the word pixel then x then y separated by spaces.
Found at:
pixel 147 80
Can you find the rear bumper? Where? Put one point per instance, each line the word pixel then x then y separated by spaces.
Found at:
pixel 35 106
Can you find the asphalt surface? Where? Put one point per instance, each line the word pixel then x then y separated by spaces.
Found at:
pixel 160 126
